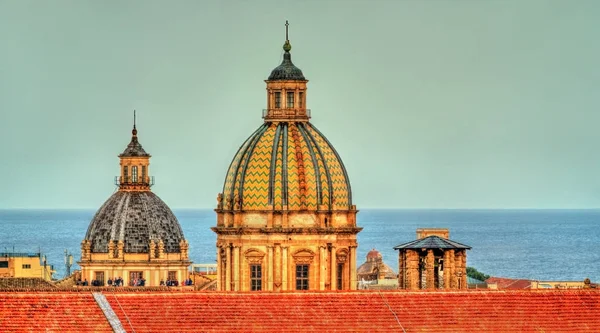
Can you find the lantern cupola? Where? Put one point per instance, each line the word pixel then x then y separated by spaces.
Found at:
pixel 286 90
pixel 135 163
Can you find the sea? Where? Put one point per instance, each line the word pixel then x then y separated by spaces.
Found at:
pixel 559 245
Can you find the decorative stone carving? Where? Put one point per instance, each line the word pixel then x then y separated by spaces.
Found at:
pixel 86 247
pixel 161 249
pixel 220 200
pixel 237 203
pixel 184 246
pixel 111 249
pixel 341 256
pixel 120 249
pixel 303 256
pixel 254 256
pixel 152 249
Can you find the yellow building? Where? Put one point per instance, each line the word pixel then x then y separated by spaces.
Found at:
pixel 25 265
pixel 134 235
pixel 285 217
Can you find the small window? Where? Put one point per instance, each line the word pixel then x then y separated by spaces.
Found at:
pixel 98 279
pixel 143 173
pixel 136 278
pixel 26 266
pixel 301 277
pixel 134 174
pixel 290 99
pixel 277 99
pixel 255 277
pixel 340 276
pixel 125 175
pixel 3 264
pixel 301 99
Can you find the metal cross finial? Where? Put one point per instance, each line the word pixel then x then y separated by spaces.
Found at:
pixel 286 30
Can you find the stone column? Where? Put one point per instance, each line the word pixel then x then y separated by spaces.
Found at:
pixel 401 269
pixel 447 270
pixel 352 255
pixel 430 267
pixel 322 266
pixel 412 270
pixel 463 268
pixel 236 268
pixel 270 262
pixel 277 265
pixel 228 265
pixel 333 269
pixel 284 268
pixel 453 258
pixel 219 269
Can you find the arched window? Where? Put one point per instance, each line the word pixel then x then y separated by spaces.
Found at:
pixel 134 173
pixel 125 175
pixel 144 174
pixel 290 99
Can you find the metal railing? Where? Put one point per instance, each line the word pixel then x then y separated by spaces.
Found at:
pixel 285 113
pixel 134 180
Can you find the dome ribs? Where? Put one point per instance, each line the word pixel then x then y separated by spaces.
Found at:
pixel 255 185
pixel 272 169
pixel 284 169
pixel 313 142
pixel 241 174
pixel 301 173
pixel 232 170
pixel 349 188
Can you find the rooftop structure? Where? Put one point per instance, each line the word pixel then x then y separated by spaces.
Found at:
pixel 432 261
pixel 25 265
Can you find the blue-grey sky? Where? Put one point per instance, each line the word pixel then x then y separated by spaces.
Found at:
pixel 431 104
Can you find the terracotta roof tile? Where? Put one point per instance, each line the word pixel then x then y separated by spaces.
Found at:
pixel 51 312
pixel 360 311
pixel 507 283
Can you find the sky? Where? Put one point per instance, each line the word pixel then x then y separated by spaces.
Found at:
pixel 431 104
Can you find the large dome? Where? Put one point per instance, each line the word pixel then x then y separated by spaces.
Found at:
pixel 287 163
pixel 134 217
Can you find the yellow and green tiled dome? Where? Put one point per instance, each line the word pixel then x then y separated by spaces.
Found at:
pixel 289 166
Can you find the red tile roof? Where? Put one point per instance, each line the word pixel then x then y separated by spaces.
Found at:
pixel 359 311
pixel 51 312
pixel 507 283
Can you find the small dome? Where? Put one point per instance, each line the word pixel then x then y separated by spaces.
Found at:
pixel 289 164
pixel 134 217
pixel 374 255
pixel 374 268
pixel 286 71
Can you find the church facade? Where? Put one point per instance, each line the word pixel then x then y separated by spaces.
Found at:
pixel 285 217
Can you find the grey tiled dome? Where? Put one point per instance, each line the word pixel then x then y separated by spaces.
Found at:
pixel 135 218
pixel 286 71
